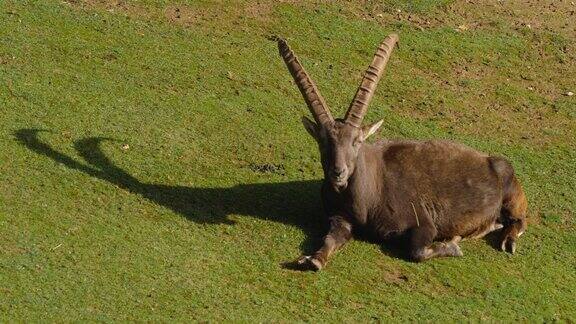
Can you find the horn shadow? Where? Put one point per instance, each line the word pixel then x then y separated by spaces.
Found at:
pixel 294 203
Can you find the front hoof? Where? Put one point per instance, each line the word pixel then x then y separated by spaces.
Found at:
pixel 308 262
pixel 452 249
pixel 456 251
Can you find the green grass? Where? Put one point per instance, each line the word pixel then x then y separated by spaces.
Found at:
pixel 155 168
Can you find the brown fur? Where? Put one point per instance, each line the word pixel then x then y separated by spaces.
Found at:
pixel 434 193
pixel 427 191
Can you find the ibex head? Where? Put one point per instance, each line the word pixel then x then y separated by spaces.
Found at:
pixel 340 140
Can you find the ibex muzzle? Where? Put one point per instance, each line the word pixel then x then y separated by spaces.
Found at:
pixel 432 193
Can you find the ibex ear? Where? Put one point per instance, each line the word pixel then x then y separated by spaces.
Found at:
pixel 371 129
pixel 311 127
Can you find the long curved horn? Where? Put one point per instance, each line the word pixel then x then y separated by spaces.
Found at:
pixel 307 87
pixel 359 104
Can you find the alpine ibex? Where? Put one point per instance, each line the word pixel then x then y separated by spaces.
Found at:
pixel 433 193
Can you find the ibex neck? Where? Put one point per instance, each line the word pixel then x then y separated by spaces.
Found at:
pixel 365 172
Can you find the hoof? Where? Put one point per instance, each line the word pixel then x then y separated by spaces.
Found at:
pixel 508 245
pixel 308 262
pixel 497 226
pixel 454 250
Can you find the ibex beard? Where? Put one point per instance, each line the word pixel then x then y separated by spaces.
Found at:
pixel 432 193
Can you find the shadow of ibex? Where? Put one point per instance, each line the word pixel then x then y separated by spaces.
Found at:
pixel 293 203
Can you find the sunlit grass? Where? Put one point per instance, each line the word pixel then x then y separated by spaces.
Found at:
pixel 155 168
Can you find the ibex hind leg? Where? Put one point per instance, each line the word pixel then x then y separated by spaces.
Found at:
pixel 423 247
pixel 513 215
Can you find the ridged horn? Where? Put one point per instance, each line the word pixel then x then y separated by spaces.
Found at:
pixel 312 96
pixel 363 96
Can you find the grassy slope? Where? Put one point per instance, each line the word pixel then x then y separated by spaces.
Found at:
pixel 172 218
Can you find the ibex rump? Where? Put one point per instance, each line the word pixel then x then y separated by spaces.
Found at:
pixel 434 193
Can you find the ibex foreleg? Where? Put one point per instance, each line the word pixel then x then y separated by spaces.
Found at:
pixel 340 232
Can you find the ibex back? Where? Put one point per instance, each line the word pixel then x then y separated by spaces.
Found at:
pixel 433 193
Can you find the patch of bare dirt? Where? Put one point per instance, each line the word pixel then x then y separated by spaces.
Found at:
pixel 469 15
pixel 394 276
pixel 225 14
pixel 231 13
pixel 113 6
pixel 182 15
pixel 384 14
pixel 259 10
